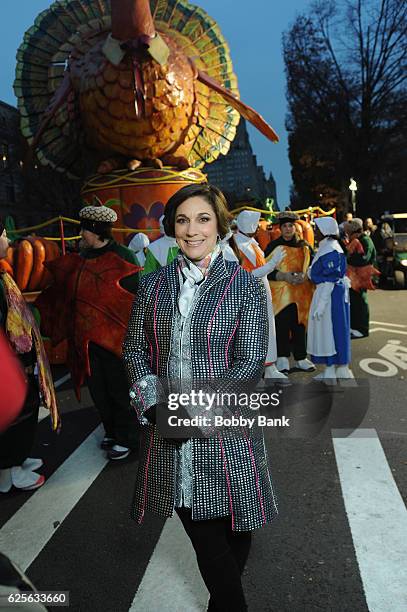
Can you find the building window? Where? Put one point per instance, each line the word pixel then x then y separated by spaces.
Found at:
pixel 4 154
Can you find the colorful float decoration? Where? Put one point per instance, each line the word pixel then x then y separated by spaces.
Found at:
pixel 126 83
pixel 137 94
pixel 138 197
pixel 25 262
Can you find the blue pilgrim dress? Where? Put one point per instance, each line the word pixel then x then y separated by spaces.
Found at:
pixel 329 336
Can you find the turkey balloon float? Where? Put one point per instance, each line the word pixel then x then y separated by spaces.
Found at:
pixel 136 82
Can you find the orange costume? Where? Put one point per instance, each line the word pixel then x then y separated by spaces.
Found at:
pixel 297 259
pixel 248 264
pixel 291 299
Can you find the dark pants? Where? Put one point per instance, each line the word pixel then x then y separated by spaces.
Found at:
pixel 109 390
pixel 221 554
pixel 290 334
pixel 17 441
pixel 359 311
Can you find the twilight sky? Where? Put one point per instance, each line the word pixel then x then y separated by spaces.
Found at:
pixel 253 30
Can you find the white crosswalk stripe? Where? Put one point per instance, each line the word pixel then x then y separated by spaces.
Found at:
pixel 377 518
pixel 24 536
pixel 172 580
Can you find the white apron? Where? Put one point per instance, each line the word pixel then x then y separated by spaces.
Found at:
pixel 320 335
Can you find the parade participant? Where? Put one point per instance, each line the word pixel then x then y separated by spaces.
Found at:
pixel 359 306
pixel 138 244
pixel 369 227
pixel 348 217
pixel 89 304
pixel 161 252
pixel 18 324
pixel 292 294
pixel 204 318
pixel 13 390
pixel 251 259
pixel 328 328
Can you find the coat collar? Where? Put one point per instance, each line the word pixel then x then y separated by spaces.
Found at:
pixel 217 272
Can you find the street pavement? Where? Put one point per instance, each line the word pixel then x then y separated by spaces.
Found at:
pixel 339 543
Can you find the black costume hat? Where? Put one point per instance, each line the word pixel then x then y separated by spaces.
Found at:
pixel 97 218
pixel 287 217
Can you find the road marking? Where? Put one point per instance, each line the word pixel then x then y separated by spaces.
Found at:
pixel 389 369
pixel 27 532
pixel 172 580
pixel 61 381
pixel 393 331
pixel 388 324
pixel 377 517
pixel 43 413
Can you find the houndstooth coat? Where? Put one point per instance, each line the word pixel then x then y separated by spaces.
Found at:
pixel 226 338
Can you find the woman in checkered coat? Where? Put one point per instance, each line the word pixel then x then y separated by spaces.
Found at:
pixel 201 318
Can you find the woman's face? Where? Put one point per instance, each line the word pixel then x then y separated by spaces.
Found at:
pixel 4 242
pixel 196 228
pixel 318 234
pixel 288 230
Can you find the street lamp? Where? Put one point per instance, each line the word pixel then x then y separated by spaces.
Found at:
pixel 353 189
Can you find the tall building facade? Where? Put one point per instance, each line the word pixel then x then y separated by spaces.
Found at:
pixel 238 175
pixel 11 178
pixel 29 192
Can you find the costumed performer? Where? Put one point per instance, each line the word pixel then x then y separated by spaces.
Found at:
pixel 18 324
pixel 138 244
pixel 89 304
pixel 362 264
pixel 160 252
pixel 329 324
pixel 292 294
pixel 251 258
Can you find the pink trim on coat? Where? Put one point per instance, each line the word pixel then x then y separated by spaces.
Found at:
pixel 160 279
pixel 151 349
pixel 227 481
pixel 256 477
pixel 211 321
pixel 229 341
pixel 143 505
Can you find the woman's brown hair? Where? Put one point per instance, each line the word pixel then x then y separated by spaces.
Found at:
pixel 211 194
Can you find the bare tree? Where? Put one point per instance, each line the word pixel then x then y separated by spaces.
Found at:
pixel 346 85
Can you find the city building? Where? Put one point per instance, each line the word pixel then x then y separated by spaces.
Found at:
pixel 29 192
pixel 11 178
pixel 238 175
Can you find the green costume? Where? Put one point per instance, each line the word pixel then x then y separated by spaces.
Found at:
pixel 156 259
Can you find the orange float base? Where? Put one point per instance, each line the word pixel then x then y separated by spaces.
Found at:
pixel 139 196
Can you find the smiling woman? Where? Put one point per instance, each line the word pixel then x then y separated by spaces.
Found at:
pixel 196 228
pixel 200 319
